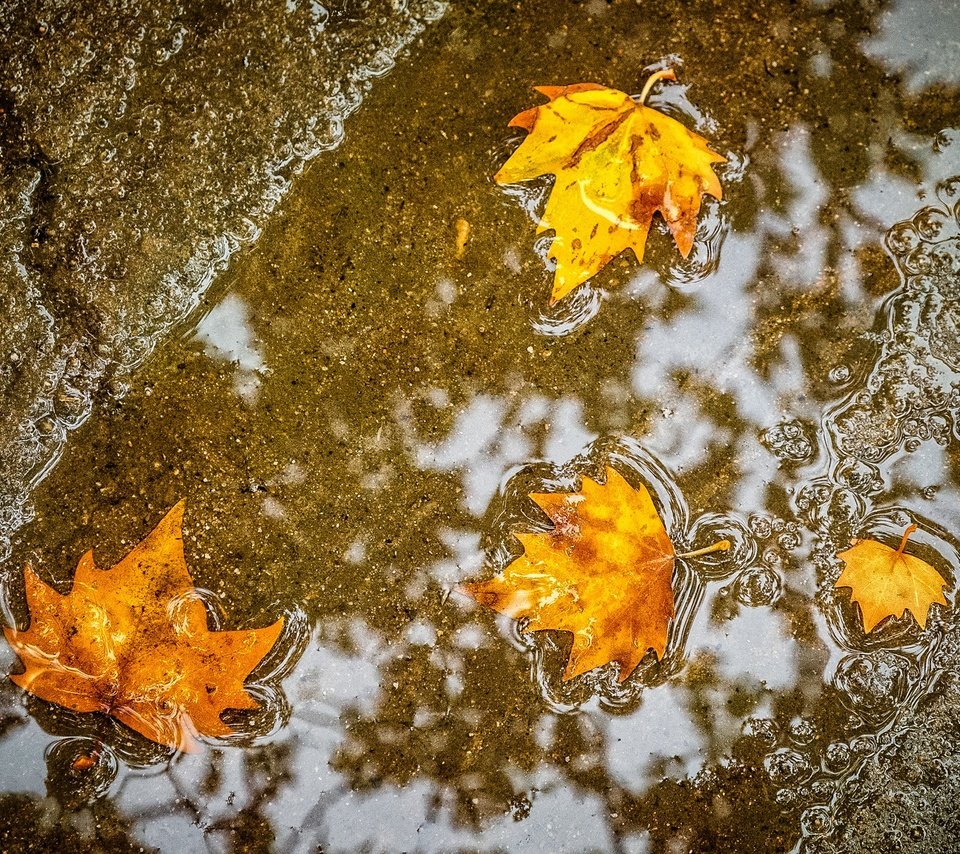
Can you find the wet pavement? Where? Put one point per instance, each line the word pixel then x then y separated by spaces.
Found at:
pixel 142 145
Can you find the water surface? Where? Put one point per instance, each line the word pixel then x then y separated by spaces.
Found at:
pixel 356 415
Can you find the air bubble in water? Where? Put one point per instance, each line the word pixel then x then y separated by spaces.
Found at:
pixel 760 526
pixel 836 757
pixel 763 730
pixel 839 375
pixel 786 766
pixel 759 585
pixel 822 790
pixel 785 797
pixel 933 224
pixel 802 731
pixel 872 684
pixel 816 821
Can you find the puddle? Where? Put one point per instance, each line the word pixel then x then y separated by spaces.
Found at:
pixel 362 406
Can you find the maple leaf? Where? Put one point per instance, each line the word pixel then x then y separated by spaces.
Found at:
pixel 887 582
pixel 616 163
pixel 604 572
pixel 133 642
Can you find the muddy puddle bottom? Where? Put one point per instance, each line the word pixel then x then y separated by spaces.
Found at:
pixel 357 414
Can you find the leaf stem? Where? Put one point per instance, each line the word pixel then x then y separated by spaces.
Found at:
pixel 662 74
pixel 906 536
pixel 721 546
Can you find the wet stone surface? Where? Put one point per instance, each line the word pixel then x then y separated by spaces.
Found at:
pixel 141 146
pixel 357 411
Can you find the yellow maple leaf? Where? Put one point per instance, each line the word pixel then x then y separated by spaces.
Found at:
pixel 133 642
pixel 886 582
pixel 616 163
pixel 604 572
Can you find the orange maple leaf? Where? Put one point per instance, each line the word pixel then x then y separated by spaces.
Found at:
pixel 887 582
pixel 133 642
pixel 604 572
pixel 616 162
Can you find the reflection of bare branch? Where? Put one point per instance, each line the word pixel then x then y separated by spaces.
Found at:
pixel 27 823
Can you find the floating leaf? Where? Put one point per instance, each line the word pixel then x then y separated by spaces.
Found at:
pixel 886 582
pixel 616 162
pixel 604 573
pixel 133 642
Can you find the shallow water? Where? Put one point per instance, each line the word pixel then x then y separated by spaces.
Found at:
pixel 356 415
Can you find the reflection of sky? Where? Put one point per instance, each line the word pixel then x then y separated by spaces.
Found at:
pixel 661 728
pixel 710 340
pixel 713 339
pixel 227 334
pixel 754 648
pixel 492 434
pixel 22 768
pixel 887 197
pixel 808 196
pixel 466 556
pixel 561 820
pixel 921 483
pixel 919 39
pixel 316 808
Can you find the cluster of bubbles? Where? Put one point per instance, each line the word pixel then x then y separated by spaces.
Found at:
pixel 909 398
pixel 758 579
pixel 910 395
pixel 791 441
pixel 806 769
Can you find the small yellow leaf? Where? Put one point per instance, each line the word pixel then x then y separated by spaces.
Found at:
pixel 462 236
pixel 616 162
pixel 886 582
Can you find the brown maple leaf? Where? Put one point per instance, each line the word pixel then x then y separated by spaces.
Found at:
pixel 604 573
pixel 887 582
pixel 616 162
pixel 133 642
